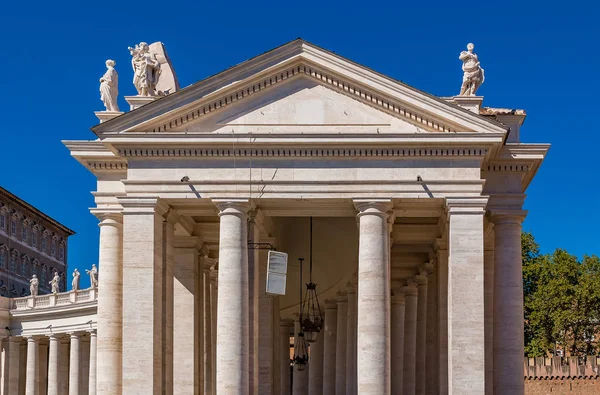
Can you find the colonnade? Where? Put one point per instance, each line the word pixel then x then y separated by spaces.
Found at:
pixel 421 334
pixel 54 364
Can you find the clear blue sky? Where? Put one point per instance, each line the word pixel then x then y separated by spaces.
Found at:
pixel 540 56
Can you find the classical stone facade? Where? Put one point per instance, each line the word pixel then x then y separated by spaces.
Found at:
pixel 30 243
pixel 417 204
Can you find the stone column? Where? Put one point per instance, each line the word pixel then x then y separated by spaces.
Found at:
pixel 11 383
pixel 351 344
pixel 300 377
pixel 43 367
pixel 186 333
pixel 329 334
pixel 168 306
pixel 232 308
pixel 63 366
pixel 508 304
pixel 93 363
pixel 110 305
pixel 410 338
pixel 373 278
pixel 466 348
pixel 207 264
pixel 432 385
pixel 284 348
pixel 442 325
pixel 74 364
pixel 23 367
pixel 341 344
pixel 265 324
pixel 397 325
pixel 84 366
pixel 315 374
pixel 214 293
pixel 421 354
pixel 254 381
pixel 144 257
pixel 276 346
pixel 31 376
pixel 489 313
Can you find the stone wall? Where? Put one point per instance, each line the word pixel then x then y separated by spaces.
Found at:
pixel 557 376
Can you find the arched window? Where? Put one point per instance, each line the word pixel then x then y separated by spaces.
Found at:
pixel 2 257
pixel 34 237
pixel 13 226
pixel 24 266
pixel 2 221
pixel 61 252
pixel 44 241
pixel 53 248
pixel 44 276
pixel 12 264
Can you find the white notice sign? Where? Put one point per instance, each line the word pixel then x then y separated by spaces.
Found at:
pixel 276 272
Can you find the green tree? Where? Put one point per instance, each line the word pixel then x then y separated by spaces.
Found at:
pixel 561 300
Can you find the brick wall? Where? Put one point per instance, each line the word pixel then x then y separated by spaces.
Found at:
pixel 557 376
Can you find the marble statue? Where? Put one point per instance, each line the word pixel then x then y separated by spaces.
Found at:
pixel 473 75
pixel 54 283
pixel 109 87
pixel 93 273
pixel 75 282
pixel 33 285
pixel 146 69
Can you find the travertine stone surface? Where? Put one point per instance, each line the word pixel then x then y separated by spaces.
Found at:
pixel 168 302
pixel 185 333
pixel 329 333
pixel 488 289
pixel 53 366
pixel 31 387
pixel 315 374
pixel 351 345
pixel 285 328
pixel 341 343
pixel 14 350
pixel 74 363
pixel 373 320
pixel 421 355
pixel 466 349
pixel 442 257
pixel 63 366
pixel 214 296
pixel 43 368
pixel 208 344
pixel 143 316
pixel 508 305
pixel 432 385
pixel 110 306
pixel 254 274
pixel 397 325
pixel 93 363
pixel 232 308
pixel 84 366
pixel 410 338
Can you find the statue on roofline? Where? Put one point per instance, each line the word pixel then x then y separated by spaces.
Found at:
pixel 146 69
pixel 93 273
pixel 34 285
pixel 54 283
pixel 75 282
pixel 473 75
pixel 109 87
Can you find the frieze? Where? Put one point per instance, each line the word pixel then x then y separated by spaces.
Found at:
pixel 301 152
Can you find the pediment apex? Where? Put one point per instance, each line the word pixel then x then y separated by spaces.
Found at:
pixel 291 60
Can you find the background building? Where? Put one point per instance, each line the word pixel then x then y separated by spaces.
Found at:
pixel 30 243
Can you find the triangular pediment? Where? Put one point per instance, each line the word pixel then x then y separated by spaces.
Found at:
pixel 295 86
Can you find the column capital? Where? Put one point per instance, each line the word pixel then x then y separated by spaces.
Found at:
pixel 188 242
pixel 475 205
pixel 410 289
pixel 143 205
pixel 208 264
pixel 233 206
pixel 504 216
pixel 397 295
pixel 342 296
pixel 92 333
pixel 351 288
pixel 108 216
pixel 421 278
pixel 379 207
pixel 330 304
pixel 287 323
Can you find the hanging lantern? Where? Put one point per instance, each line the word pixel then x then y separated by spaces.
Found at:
pixel 300 352
pixel 300 346
pixel 311 315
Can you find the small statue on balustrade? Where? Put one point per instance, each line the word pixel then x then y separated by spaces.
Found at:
pixel 55 282
pixel 93 273
pixel 33 285
pixel 75 282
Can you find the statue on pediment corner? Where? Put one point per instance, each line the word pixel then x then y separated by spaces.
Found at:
pixel 146 69
pixel 473 75
pixel 109 87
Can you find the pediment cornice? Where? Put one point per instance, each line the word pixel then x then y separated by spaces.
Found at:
pixel 178 110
